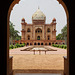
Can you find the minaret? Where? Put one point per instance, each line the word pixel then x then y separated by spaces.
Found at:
pixel 54 29
pixel 23 23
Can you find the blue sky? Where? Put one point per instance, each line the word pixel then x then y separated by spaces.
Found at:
pixel 51 9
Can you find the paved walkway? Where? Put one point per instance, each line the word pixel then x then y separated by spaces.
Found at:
pixel 18 51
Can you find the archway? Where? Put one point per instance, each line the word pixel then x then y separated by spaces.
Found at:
pixel 45 43
pixel 27 43
pixel 49 43
pixel 34 43
pixel 61 2
pixel 30 43
pixel 41 43
pixel 28 37
pixel 28 30
pixel 38 43
pixel 56 43
pixel 38 37
pixel 48 30
pixel 48 37
pixel 38 34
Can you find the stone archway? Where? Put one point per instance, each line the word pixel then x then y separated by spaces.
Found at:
pixel 38 34
pixel 8 16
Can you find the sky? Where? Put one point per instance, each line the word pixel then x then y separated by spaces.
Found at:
pixel 26 8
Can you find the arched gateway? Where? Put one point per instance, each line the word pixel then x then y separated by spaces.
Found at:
pixel 67 14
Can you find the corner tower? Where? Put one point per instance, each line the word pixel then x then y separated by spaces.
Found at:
pixel 23 23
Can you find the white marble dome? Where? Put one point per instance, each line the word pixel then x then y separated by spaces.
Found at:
pixel 38 15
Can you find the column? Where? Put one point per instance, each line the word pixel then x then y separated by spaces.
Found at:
pixel 33 32
pixel 51 43
pixel 43 32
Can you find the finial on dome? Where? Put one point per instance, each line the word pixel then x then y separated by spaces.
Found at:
pixel 23 19
pixel 54 19
pixel 38 7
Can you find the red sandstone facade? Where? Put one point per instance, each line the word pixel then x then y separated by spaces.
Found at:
pixel 39 33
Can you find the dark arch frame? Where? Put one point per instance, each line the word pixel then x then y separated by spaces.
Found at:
pixel 9 11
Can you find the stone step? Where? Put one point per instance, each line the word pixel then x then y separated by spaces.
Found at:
pixel 36 74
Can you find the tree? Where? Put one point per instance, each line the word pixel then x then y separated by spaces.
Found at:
pixel 13 33
pixel 59 37
pixel 18 38
pixel 64 33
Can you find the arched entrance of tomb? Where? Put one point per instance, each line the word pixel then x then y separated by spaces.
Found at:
pixel 8 16
pixel 38 37
pixel 38 34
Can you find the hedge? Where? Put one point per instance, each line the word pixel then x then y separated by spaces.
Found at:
pixel 60 46
pixel 16 46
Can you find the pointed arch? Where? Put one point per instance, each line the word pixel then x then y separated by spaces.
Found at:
pixel 28 37
pixel 48 37
pixel 28 30
pixel 48 30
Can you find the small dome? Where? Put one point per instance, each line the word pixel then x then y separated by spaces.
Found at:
pixel 54 19
pixel 23 19
pixel 38 15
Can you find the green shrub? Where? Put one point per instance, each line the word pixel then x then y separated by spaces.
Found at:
pixel 15 46
pixel 11 46
pixel 18 45
pixel 62 46
pixel 57 45
pixel 23 44
pixel 65 46
pixel 52 44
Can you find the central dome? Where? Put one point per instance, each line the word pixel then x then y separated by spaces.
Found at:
pixel 38 15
